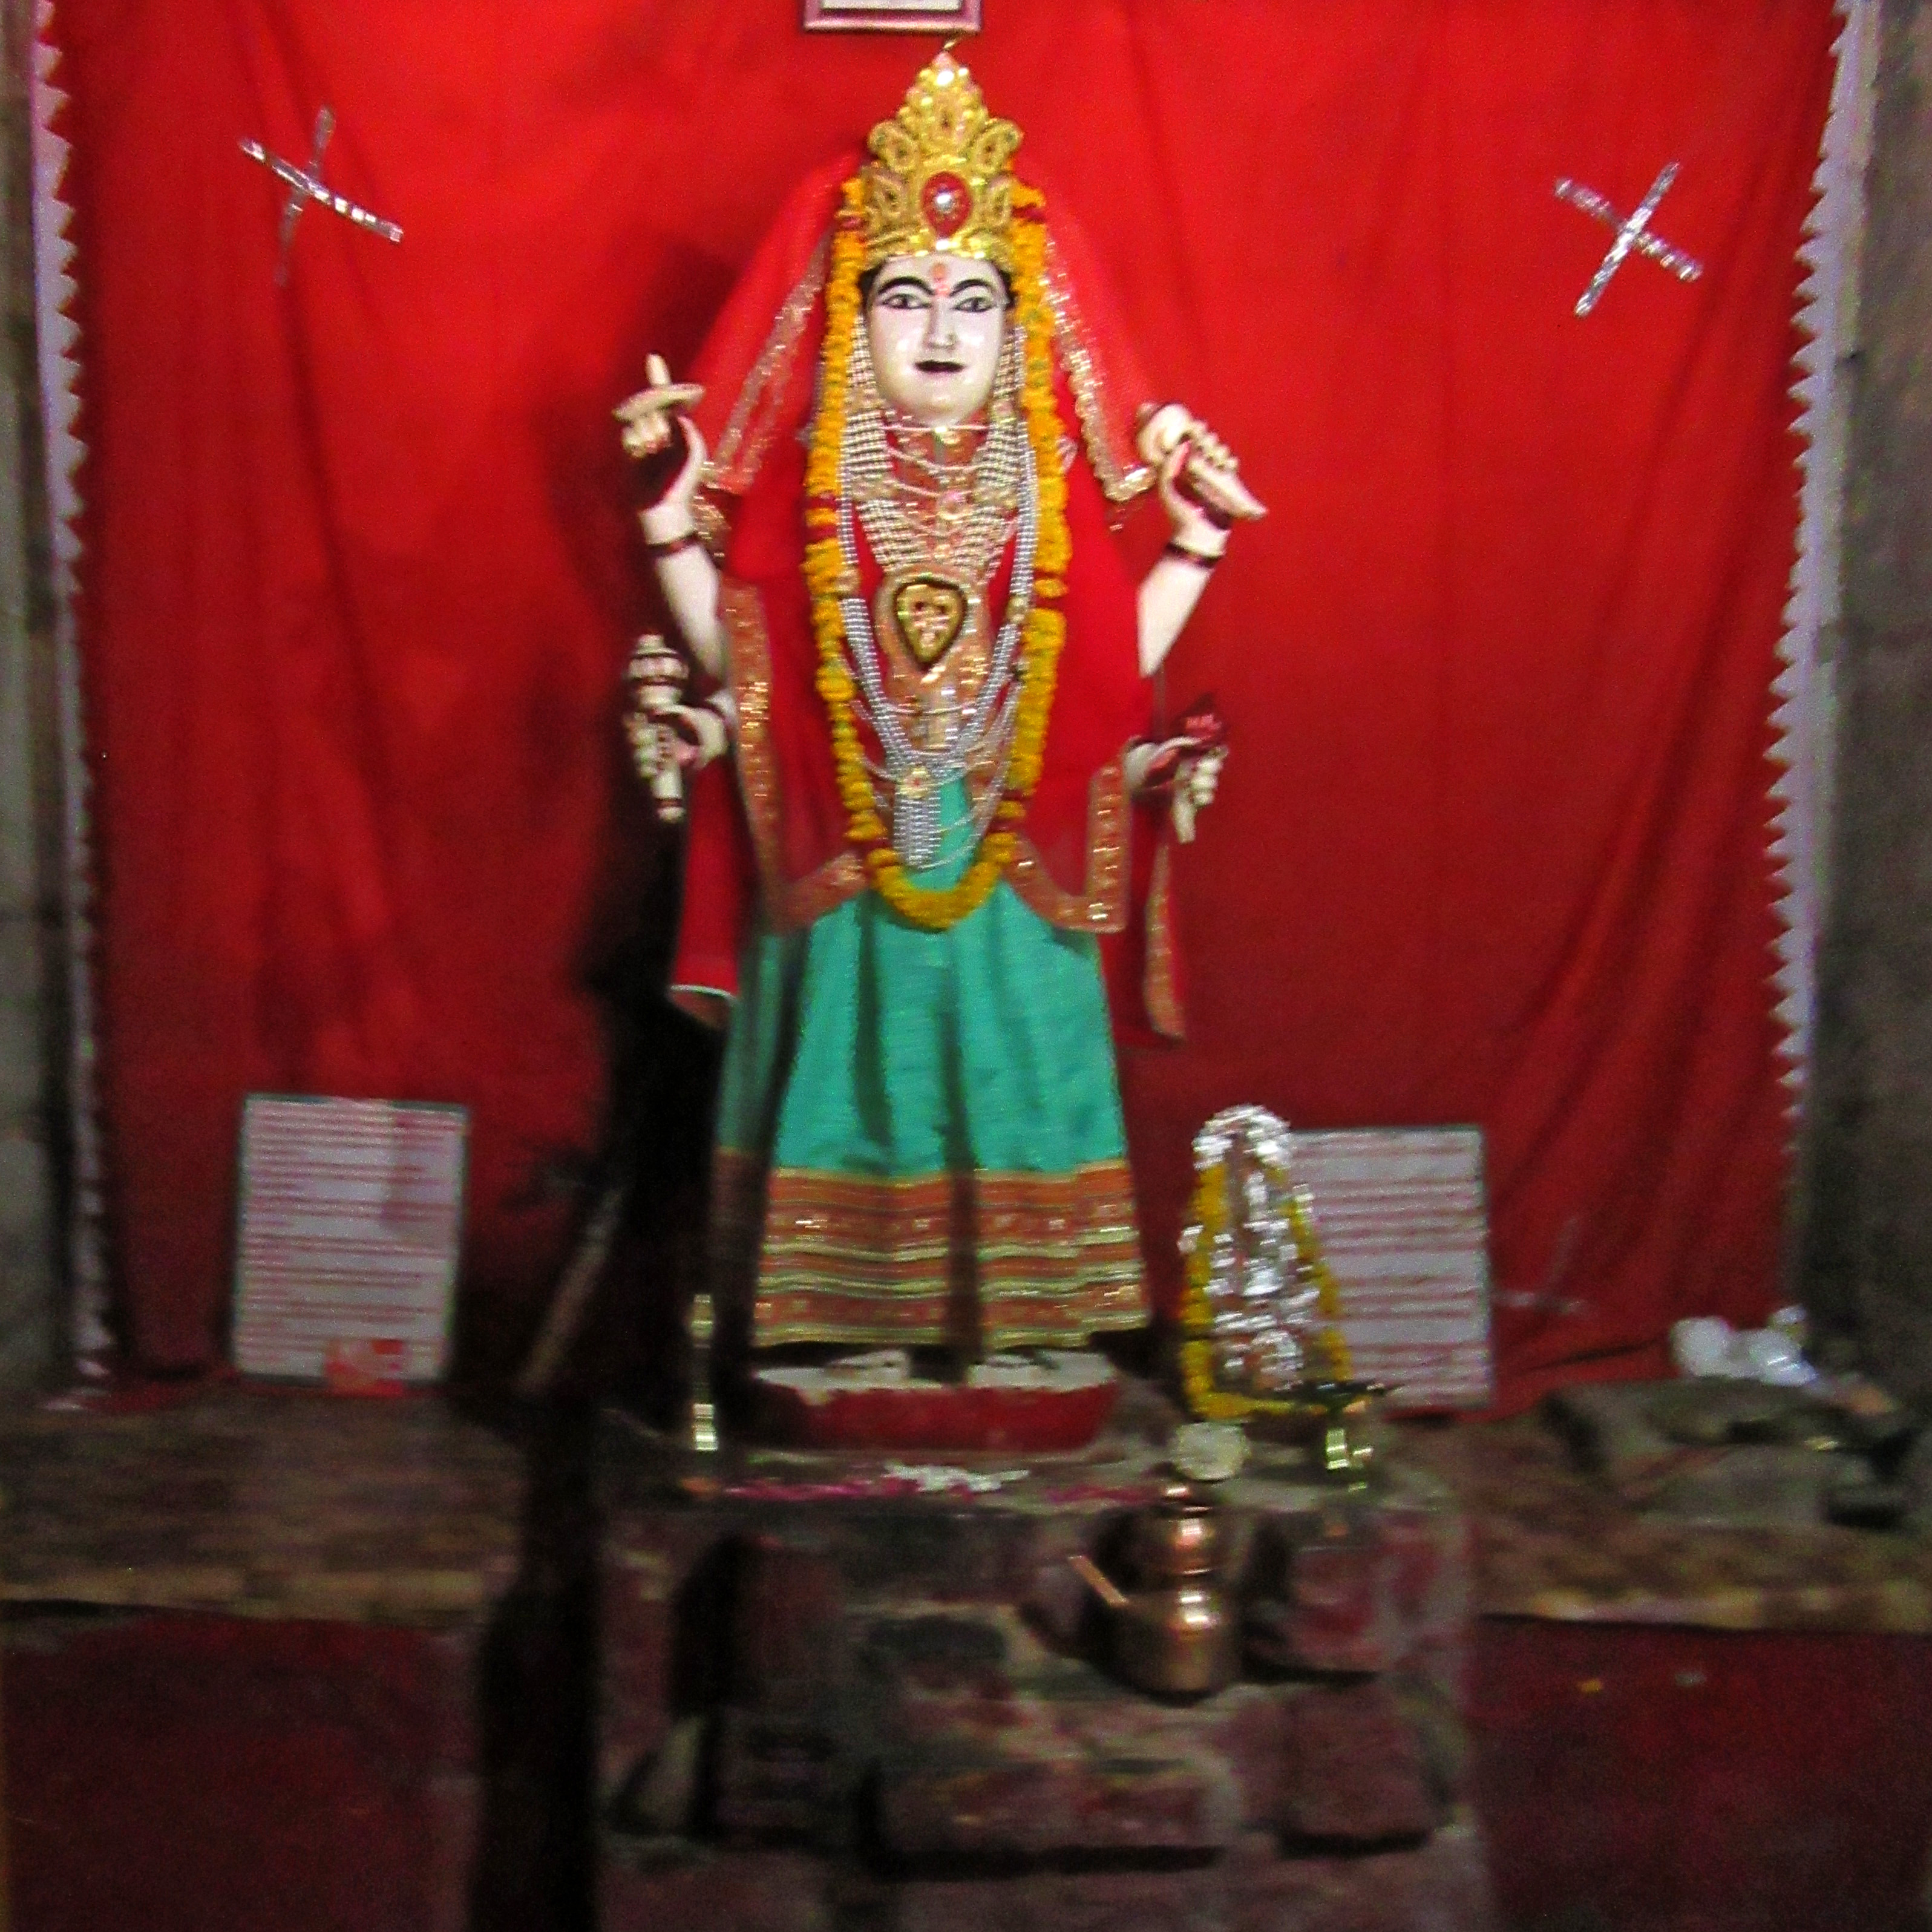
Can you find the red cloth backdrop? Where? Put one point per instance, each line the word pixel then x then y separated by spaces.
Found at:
pixel 361 580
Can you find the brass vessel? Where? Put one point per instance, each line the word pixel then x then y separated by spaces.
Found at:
pixel 1173 1633
pixel 1344 1414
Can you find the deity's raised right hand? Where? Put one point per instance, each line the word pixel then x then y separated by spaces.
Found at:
pixel 665 444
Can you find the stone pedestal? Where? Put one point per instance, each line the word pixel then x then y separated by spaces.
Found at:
pixel 837 1689
pixel 261 1669
pixel 1688 1709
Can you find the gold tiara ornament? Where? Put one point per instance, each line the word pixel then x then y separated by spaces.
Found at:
pixel 937 183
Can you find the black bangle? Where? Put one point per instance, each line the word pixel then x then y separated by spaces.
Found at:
pixel 1199 559
pixel 672 545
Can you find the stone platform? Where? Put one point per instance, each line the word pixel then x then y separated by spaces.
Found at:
pixel 1694 1705
pixel 1689 1545
pixel 839 1689
pixel 263 1665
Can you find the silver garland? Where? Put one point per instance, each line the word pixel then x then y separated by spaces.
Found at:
pixel 1263 1299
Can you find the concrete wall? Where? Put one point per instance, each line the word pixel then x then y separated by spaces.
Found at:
pixel 31 1056
pixel 1867 1241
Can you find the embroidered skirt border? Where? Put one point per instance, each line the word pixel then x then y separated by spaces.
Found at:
pixel 1000 1260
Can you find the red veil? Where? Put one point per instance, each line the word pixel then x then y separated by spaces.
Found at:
pixel 781 830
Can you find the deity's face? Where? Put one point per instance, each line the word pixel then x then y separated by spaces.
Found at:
pixel 935 323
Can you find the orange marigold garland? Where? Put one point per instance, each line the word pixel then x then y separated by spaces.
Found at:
pixel 827 578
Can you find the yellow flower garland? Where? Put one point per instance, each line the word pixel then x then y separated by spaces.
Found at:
pixel 827 578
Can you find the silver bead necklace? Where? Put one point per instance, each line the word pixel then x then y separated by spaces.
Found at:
pixel 980 731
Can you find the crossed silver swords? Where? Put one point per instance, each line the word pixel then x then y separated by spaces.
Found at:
pixel 306 185
pixel 1632 232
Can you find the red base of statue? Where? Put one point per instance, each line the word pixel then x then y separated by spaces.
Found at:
pixel 1059 1402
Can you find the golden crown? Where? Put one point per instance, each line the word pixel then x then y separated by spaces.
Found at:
pixel 937 183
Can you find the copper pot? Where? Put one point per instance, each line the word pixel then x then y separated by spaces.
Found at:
pixel 1173 1633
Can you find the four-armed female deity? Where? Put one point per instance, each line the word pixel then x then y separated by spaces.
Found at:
pixel 880 517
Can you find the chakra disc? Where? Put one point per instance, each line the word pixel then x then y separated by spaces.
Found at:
pixel 930 613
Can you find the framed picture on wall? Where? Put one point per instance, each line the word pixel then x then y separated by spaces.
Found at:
pixel 892 16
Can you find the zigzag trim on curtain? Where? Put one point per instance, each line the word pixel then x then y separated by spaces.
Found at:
pixel 1802 715
pixel 58 336
pixel 1803 711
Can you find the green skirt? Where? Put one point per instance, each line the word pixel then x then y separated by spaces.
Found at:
pixel 919 1134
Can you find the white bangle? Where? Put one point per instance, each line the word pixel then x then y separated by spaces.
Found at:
pixel 667 522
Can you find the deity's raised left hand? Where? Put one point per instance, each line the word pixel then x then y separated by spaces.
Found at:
pixel 1196 467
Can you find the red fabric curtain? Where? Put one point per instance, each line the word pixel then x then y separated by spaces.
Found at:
pixel 361 579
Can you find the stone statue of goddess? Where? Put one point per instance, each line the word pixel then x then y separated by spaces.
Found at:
pixel 930 668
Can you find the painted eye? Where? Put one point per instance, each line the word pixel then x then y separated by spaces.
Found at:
pixel 975 302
